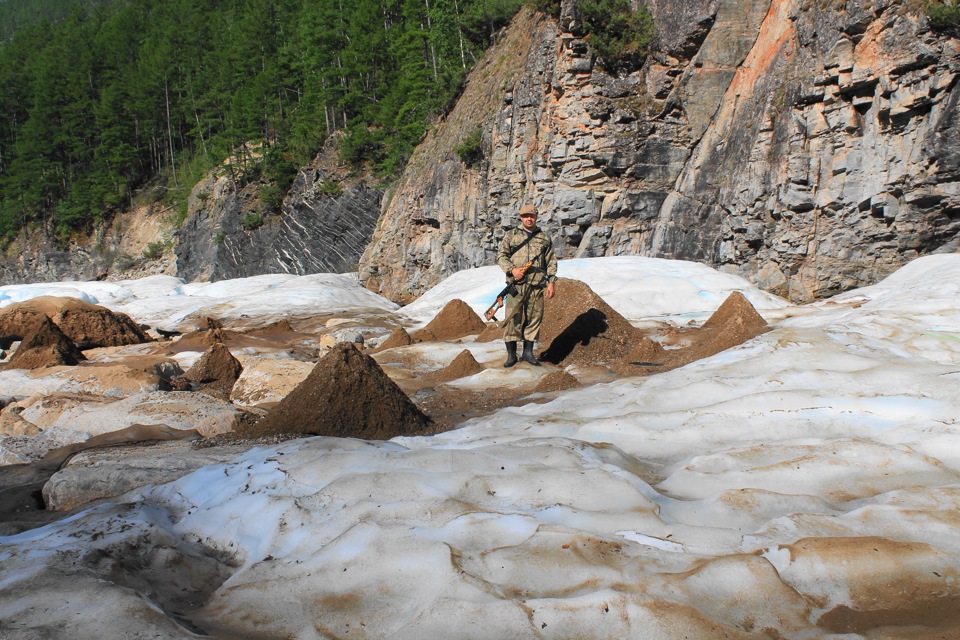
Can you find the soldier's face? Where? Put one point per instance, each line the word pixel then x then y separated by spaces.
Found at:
pixel 529 221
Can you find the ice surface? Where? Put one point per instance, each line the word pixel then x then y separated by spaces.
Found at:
pixel 804 483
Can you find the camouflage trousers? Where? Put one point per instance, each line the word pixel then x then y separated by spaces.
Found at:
pixel 524 314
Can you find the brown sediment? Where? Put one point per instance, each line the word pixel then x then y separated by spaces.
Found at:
pixel 462 366
pixel 559 380
pixel 398 338
pixel 215 372
pixel 88 325
pixel 346 395
pixel 580 328
pixel 456 320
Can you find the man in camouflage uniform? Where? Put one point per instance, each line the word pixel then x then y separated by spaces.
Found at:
pixel 522 244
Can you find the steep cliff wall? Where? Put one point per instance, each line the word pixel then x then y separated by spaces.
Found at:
pixel 315 231
pixel 808 145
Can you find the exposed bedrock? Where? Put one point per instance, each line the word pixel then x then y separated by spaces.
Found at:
pixel 811 147
pixel 318 230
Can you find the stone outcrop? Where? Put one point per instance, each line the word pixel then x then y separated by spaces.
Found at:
pixel 319 228
pixel 808 146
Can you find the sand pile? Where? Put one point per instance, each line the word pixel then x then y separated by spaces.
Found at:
pixel 277 330
pixel 462 366
pixel 88 325
pixel 200 340
pixel 215 372
pixel 735 322
pixel 45 346
pixel 16 322
pixel 556 381
pixel 647 352
pixel 347 395
pixel 493 331
pixel 207 323
pixel 455 320
pixel 579 327
pixel 399 338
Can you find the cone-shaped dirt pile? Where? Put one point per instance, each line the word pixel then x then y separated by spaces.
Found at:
pixel 88 325
pixel 579 327
pixel 647 352
pixel 736 312
pixel 556 381
pixel 45 346
pixel 462 366
pixel 399 338
pixel 347 395
pixel 735 322
pixel 216 371
pixel 455 320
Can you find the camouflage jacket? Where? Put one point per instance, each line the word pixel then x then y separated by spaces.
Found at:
pixel 539 250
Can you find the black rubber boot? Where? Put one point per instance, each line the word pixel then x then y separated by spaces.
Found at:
pixel 511 354
pixel 527 355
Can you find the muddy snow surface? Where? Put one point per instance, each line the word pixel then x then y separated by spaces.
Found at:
pixel 694 459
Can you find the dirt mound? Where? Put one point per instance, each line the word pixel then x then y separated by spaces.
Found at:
pixel 647 352
pixel 16 322
pixel 462 366
pixel 493 331
pixel 735 322
pixel 45 346
pixel 207 323
pixel 579 327
pixel 346 395
pixel 215 372
pixel 201 340
pixel 736 315
pixel 399 338
pixel 277 328
pixel 556 381
pixel 88 325
pixel 99 327
pixel 455 320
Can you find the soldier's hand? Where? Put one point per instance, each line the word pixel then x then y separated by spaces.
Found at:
pixel 550 290
pixel 517 273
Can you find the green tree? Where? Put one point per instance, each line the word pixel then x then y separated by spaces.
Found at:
pixel 617 34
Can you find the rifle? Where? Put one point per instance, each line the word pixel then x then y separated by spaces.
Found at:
pixel 510 289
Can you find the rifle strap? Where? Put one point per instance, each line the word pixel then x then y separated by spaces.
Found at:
pixel 526 240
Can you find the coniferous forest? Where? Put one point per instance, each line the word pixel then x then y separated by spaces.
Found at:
pixel 101 98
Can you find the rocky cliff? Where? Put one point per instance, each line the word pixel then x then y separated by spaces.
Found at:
pixel 322 226
pixel 319 228
pixel 809 145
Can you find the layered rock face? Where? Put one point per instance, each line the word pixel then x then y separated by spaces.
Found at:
pixel 809 146
pixel 314 232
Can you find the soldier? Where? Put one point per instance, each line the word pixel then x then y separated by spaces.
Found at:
pixel 522 244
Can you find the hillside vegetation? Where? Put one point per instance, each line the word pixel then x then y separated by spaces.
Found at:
pixel 114 96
